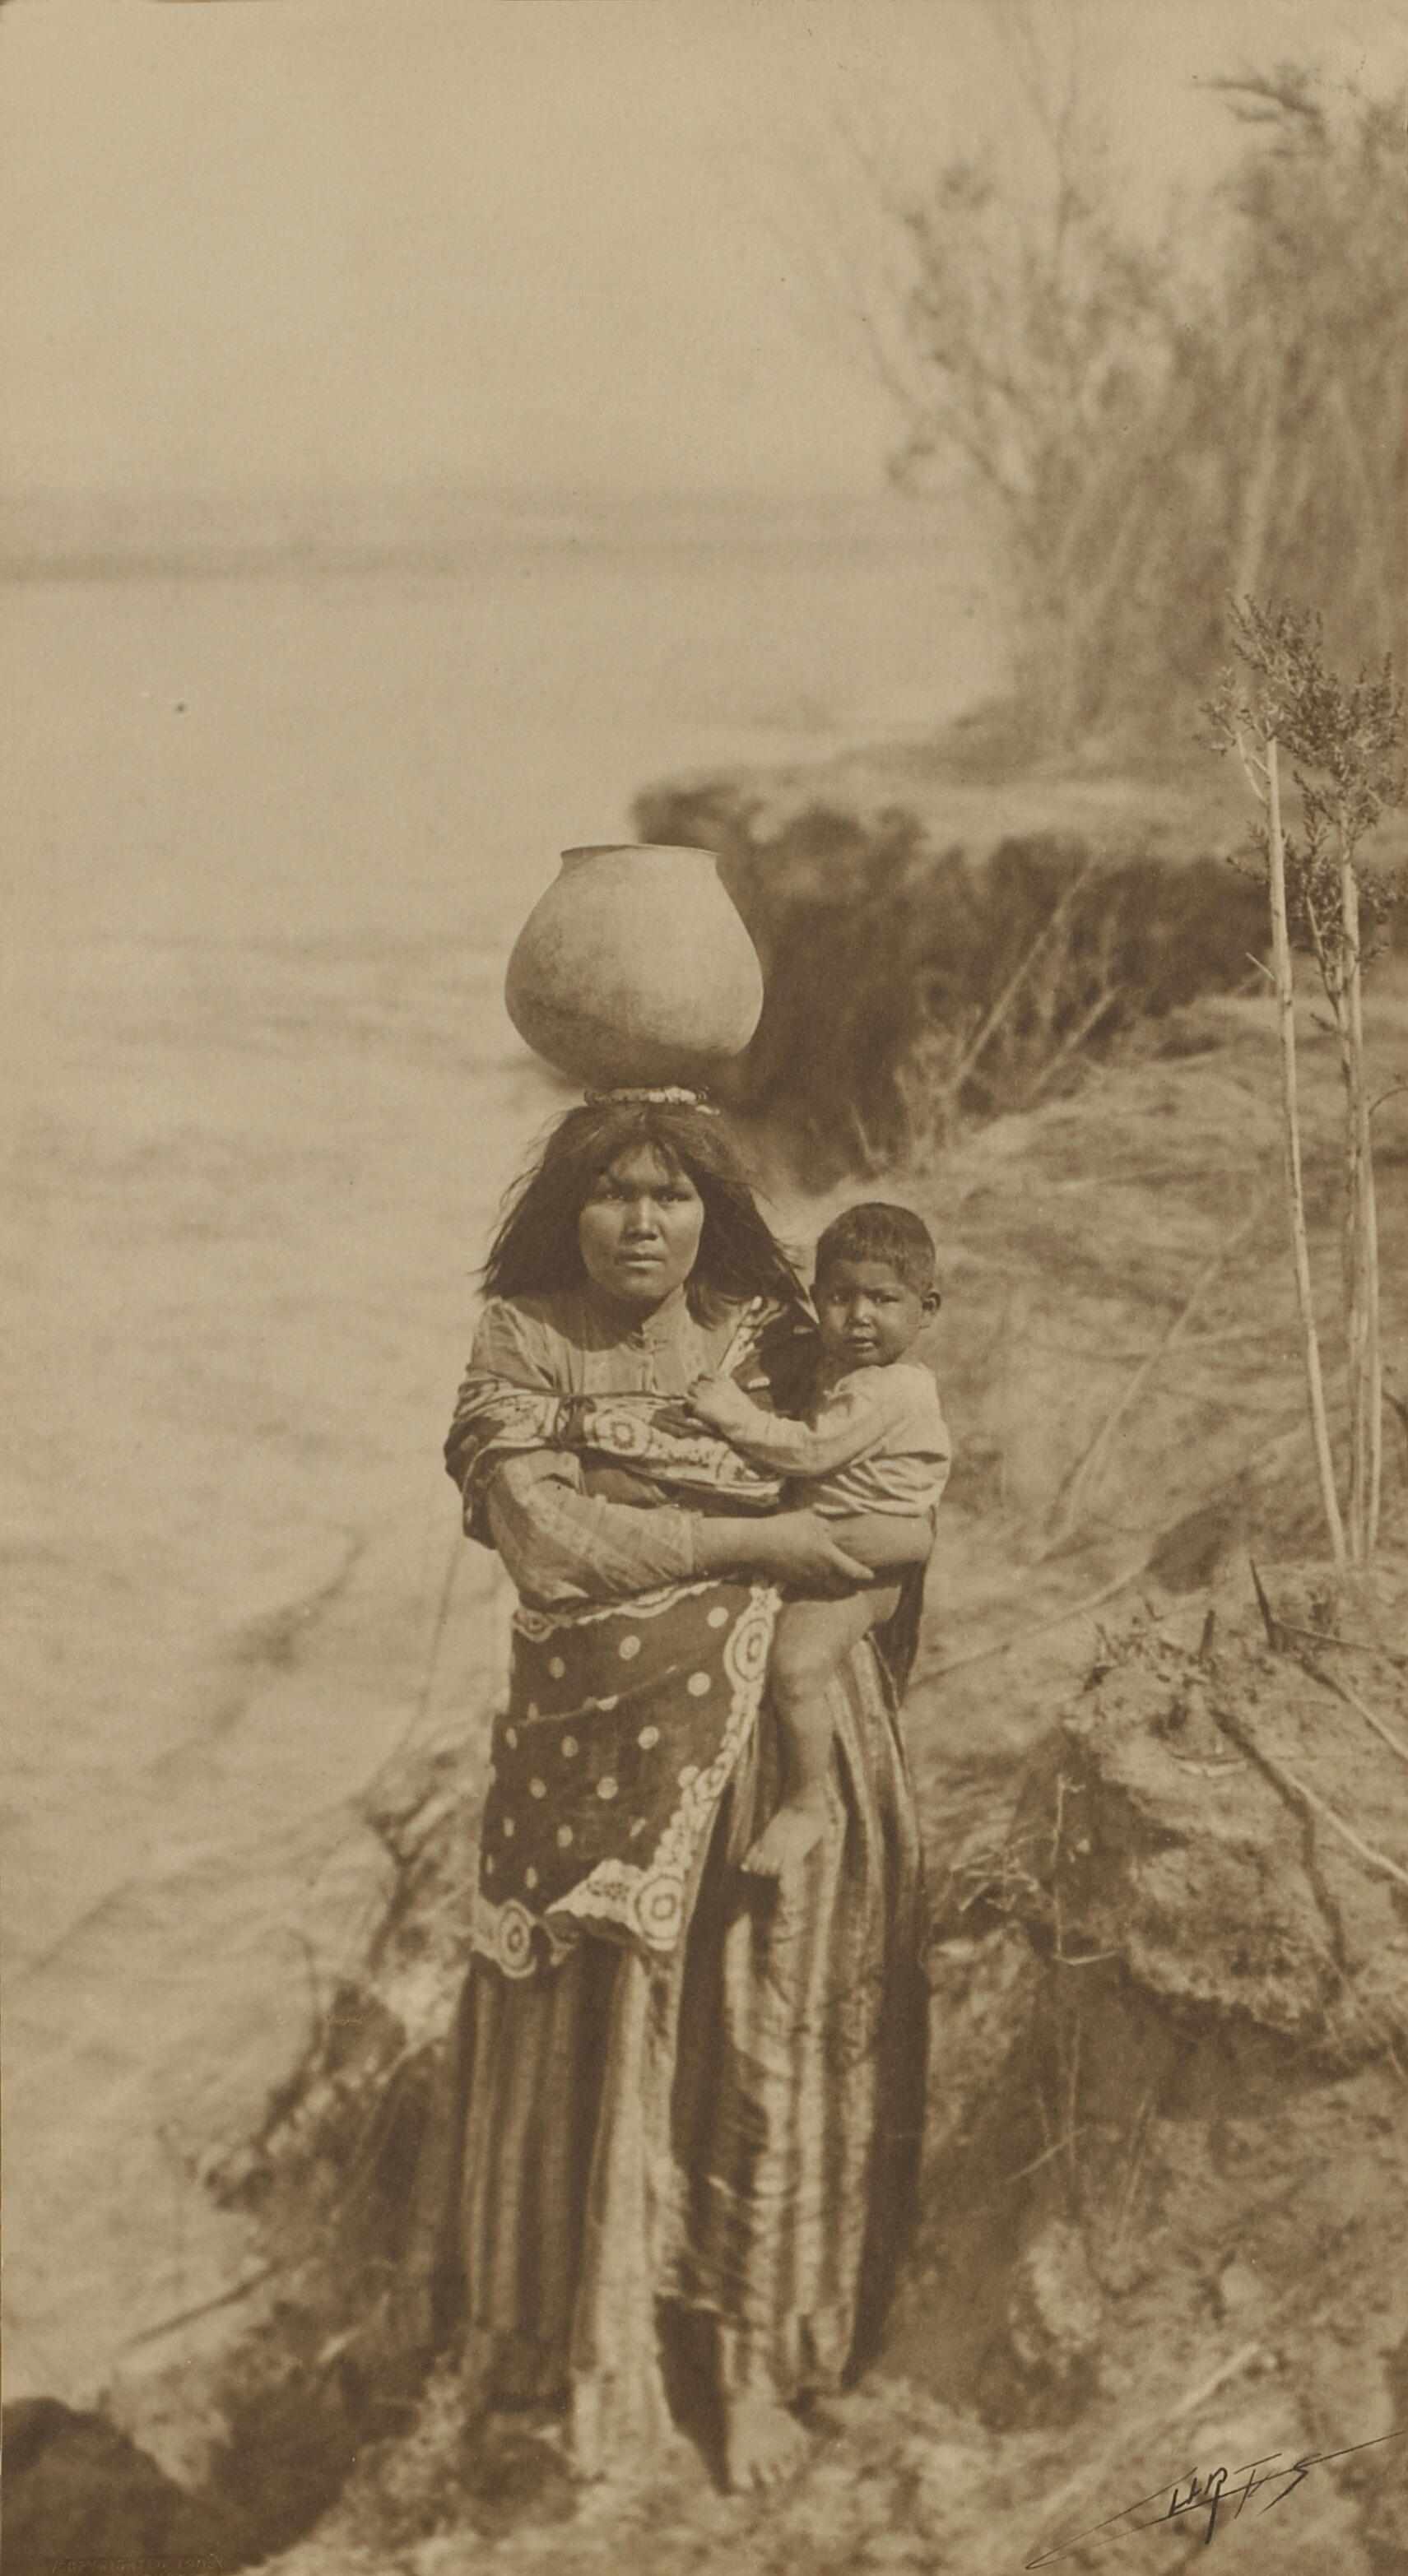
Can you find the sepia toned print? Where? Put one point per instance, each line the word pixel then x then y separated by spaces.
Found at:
pixel 653 656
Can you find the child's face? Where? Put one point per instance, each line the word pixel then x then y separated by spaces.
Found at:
pixel 868 1315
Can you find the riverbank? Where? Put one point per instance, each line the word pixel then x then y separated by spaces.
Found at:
pixel 1092 2297
pixel 1119 1355
pixel 951 932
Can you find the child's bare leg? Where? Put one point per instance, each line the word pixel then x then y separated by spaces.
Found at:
pixel 812 1640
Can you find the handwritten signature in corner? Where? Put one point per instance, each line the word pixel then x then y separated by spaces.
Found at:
pixel 1212 2495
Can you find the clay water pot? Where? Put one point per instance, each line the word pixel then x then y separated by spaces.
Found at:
pixel 634 967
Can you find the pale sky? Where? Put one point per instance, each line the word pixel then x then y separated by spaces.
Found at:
pixel 565 242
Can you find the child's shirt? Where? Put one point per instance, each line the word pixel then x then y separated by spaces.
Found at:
pixel 874 1440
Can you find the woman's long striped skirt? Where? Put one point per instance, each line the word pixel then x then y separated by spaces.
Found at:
pixel 732 2138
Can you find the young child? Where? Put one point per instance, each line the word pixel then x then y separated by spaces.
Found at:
pixel 872 1454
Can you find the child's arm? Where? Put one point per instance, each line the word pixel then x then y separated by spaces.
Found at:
pixel 857 1418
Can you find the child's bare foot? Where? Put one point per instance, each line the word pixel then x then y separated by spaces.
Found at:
pixel 783 1845
pixel 763 2441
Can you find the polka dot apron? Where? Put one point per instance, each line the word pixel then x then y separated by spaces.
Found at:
pixel 622 1731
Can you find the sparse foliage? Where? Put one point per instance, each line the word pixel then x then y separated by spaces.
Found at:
pixel 1160 423
pixel 910 993
pixel 1343 743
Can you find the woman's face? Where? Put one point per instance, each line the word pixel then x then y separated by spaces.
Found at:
pixel 640 1228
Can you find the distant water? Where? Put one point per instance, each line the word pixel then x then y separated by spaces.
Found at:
pixel 205 758
pixel 267 841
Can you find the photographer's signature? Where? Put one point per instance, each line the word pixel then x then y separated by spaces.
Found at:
pixel 1271 2479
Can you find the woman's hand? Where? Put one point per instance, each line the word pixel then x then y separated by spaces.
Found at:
pixel 799 1548
pixel 796 1548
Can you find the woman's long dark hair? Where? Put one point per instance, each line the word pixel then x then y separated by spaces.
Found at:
pixel 536 1248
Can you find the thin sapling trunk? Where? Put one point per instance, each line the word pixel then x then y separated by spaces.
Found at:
pixel 1290 1141
pixel 1361 1240
pixel 1344 743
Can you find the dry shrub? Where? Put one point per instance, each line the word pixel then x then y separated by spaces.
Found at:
pixel 908 988
pixel 1157 425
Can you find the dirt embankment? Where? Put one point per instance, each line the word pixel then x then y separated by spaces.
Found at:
pixel 1164 2213
pixel 952 932
pixel 1164 2225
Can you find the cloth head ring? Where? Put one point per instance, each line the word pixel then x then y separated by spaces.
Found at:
pixel 668 1095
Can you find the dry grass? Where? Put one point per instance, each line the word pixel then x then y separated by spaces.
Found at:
pixel 912 992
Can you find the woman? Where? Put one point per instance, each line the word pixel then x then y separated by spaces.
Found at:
pixel 690 2104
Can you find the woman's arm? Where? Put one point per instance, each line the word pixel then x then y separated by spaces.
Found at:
pixel 524 1495
pixel 789 1547
pixel 561 1546
pixel 892 1540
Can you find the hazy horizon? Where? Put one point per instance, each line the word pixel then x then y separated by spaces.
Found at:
pixel 535 245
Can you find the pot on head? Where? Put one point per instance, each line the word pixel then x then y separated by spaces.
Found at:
pixel 635 967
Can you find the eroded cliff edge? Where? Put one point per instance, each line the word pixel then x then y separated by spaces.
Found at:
pixel 1163 2220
